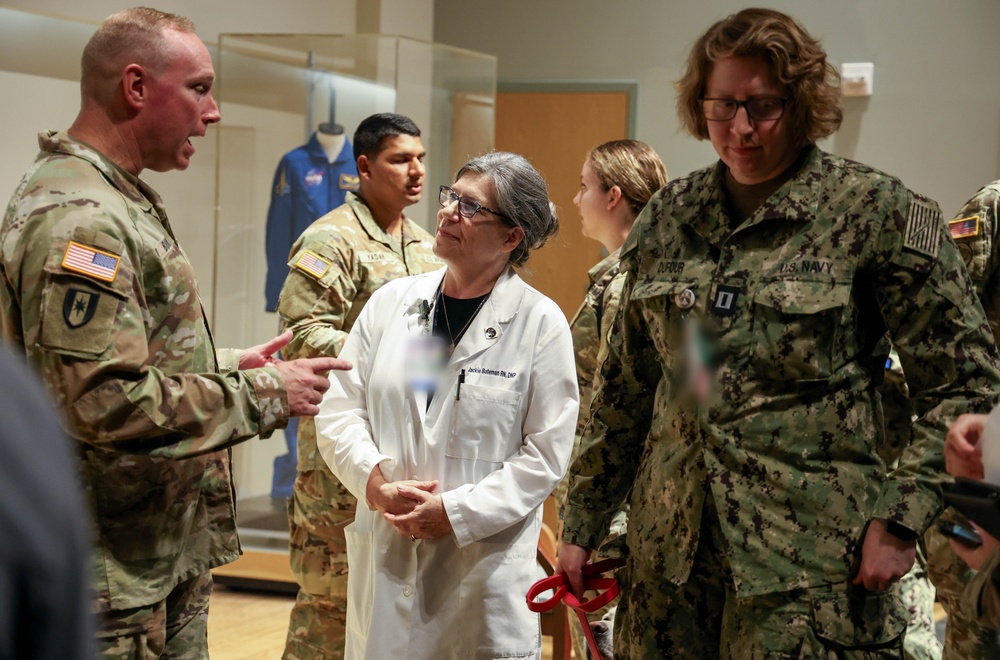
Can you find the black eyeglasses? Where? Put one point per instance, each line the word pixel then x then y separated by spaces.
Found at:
pixel 467 206
pixel 759 109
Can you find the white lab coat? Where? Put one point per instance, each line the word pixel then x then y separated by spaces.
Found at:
pixel 498 446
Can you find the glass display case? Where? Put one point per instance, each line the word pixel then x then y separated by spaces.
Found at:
pixel 274 92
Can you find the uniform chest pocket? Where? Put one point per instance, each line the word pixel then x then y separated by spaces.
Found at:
pixel 484 427
pixel 798 328
pixel 373 269
pixel 664 304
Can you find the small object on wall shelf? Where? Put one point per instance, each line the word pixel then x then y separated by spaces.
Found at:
pixel 857 79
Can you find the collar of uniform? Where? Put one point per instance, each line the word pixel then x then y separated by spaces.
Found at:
pixel 603 266
pixel 798 198
pixel 699 199
pixel 58 142
pixel 315 151
pixel 364 216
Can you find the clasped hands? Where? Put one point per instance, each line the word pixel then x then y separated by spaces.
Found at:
pixel 412 507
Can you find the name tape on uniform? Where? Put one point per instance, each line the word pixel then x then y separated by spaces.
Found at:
pixel 312 263
pixel 86 260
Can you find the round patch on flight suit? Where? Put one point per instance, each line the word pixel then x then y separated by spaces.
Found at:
pixel 78 318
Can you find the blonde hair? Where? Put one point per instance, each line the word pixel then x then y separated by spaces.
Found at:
pixel 631 165
pixel 798 59
pixel 132 36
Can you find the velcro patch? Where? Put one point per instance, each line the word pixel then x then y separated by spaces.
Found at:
pixel 349 182
pixel 964 227
pixel 312 263
pixel 923 229
pixel 88 261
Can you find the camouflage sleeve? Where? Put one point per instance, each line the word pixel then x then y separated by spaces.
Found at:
pixel 612 303
pixel 945 346
pixel 315 301
pixel 130 387
pixel 228 359
pixel 620 417
pixel 975 230
pixel 127 407
pixel 981 597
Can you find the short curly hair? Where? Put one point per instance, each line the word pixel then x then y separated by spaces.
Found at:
pixel 798 59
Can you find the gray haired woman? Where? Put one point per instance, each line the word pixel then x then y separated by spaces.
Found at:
pixel 454 426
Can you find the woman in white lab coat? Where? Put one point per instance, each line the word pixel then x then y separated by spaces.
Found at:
pixel 454 426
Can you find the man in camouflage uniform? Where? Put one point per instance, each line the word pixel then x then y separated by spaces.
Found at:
pixel 102 301
pixel 336 265
pixel 974 229
pixel 764 488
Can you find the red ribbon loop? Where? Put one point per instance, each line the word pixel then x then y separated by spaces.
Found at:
pixel 607 588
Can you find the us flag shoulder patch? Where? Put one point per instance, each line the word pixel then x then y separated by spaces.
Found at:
pixel 88 261
pixel 923 229
pixel 964 227
pixel 312 263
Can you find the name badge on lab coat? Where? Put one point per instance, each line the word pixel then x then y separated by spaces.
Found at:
pixel 426 357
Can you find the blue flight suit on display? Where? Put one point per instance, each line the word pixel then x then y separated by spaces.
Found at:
pixel 306 186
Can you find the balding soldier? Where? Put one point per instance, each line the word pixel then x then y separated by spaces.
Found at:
pixel 103 302
pixel 336 266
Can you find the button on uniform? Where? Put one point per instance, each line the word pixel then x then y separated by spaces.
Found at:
pixel 407 591
pixel 685 299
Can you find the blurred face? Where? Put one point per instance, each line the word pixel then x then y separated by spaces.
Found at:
pixel 395 176
pixel 755 151
pixel 480 241
pixel 179 104
pixel 592 200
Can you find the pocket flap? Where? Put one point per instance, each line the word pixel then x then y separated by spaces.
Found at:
pixel 858 618
pixel 803 296
pixel 654 288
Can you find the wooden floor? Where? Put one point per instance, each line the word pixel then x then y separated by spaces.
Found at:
pixel 250 625
pixel 247 625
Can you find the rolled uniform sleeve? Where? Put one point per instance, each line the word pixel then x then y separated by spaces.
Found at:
pixel 315 306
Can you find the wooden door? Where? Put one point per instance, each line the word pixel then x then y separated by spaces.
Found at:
pixel 555 130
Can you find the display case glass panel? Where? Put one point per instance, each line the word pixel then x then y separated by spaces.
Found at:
pixel 274 92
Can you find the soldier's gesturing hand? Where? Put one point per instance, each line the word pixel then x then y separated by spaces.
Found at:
pixel 265 354
pixel 306 381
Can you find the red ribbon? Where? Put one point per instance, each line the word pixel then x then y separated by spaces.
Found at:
pixel 606 586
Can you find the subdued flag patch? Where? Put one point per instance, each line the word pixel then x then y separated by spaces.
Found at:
pixel 923 229
pixel 312 263
pixel 964 227
pixel 88 261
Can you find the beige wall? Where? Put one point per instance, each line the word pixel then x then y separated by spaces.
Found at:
pixel 217 16
pixel 934 120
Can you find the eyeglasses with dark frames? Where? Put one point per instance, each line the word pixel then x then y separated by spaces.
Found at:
pixel 467 206
pixel 765 108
